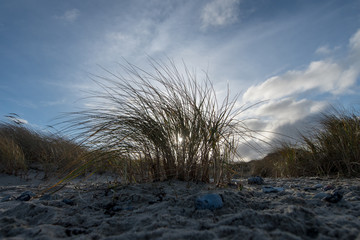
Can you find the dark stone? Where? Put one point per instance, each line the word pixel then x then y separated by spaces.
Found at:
pixel 256 180
pixel 25 196
pixel 334 198
pixel 69 202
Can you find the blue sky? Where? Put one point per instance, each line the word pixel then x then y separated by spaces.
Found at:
pixel 298 55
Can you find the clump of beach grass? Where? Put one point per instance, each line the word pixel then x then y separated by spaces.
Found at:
pixel 331 147
pixel 335 145
pixel 22 148
pixel 159 125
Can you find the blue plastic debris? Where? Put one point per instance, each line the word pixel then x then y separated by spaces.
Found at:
pixel 255 180
pixel 209 201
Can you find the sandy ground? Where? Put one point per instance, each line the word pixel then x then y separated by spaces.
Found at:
pixel 166 210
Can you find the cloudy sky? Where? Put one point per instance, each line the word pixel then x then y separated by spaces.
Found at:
pixel 298 56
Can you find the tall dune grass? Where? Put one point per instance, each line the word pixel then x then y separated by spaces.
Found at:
pixel 164 124
pixel 335 146
pixel 331 147
pixel 22 148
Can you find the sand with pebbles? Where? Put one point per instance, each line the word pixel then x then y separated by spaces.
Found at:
pixel 167 210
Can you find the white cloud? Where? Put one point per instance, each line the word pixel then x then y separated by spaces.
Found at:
pixel 323 50
pixel 324 76
pixel 286 110
pixel 289 109
pixel 278 120
pixel 70 15
pixel 355 41
pixel 220 13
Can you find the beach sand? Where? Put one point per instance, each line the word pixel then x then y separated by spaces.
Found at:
pixel 166 210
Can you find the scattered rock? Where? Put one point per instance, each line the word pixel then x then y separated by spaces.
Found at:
pixel 334 198
pixel 256 180
pixel 26 196
pixel 270 189
pixel 209 201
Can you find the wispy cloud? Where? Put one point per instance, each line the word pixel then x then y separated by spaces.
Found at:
pixel 355 41
pixel 327 50
pixel 219 13
pixel 323 50
pixel 53 103
pixel 70 15
pixel 325 76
